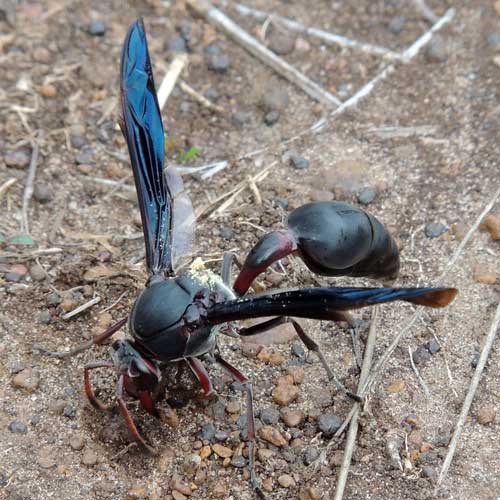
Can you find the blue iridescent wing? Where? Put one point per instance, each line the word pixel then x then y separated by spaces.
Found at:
pixel 143 130
pixel 323 303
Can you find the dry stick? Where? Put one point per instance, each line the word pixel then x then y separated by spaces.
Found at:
pixel 201 99
pixel 415 47
pixel 488 344
pixel 232 194
pixel 82 308
pixel 170 78
pixel 28 190
pixel 219 20
pixel 6 185
pixel 325 36
pixel 408 54
pixel 353 428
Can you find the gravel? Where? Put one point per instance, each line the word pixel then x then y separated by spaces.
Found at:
pixel 18 427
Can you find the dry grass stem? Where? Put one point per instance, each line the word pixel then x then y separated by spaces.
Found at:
pixel 220 21
pixel 485 352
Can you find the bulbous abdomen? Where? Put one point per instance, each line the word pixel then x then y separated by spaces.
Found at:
pixel 336 239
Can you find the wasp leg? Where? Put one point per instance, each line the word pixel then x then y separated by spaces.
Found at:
pixel 237 375
pixel 99 339
pixel 128 418
pixel 201 374
pixel 307 341
pixel 94 401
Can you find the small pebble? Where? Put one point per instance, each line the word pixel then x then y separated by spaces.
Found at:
pixel 367 195
pixel 53 299
pixel 482 274
pixel 329 424
pixel 281 42
pixel 46 458
pixel 494 40
pixel 435 229
pixel 18 427
pixel 48 90
pixel 428 471
pixel 486 415
pixel 286 481
pixel 177 44
pixel 421 355
pixel 272 435
pixel 216 59
pixel 285 393
pixel 269 416
pixel 281 201
pixel 310 455
pixel 432 346
pixel 437 50
pixel 274 98
pixel 271 118
pixel 136 493
pixel 177 495
pixel 77 442
pixel 207 432
pixel 221 436
pixel 97 28
pixel 28 380
pixel 397 386
pixel 84 157
pixel 37 272
pixel 299 162
pixel 491 223
pixel 396 25
pixel 13 277
pixel 226 233
pixel 44 317
pixel 17 159
pixel 89 457
pixel 42 55
pixel 298 350
pixel 238 461
pixel 292 418
pixel 69 411
pixel 42 193
pixel 78 141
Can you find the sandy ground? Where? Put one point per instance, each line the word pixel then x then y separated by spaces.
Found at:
pixel 60 82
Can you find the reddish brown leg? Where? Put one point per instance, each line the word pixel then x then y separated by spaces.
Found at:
pixel 270 248
pixel 99 339
pixel 237 375
pixel 94 401
pixel 307 341
pixel 128 418
pixel 201 374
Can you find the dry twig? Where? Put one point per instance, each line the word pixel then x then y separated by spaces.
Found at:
pixel 28 189
pixel 170 78
pixel 219 20
pixel 488 344
pixel 325 36
pixel 82 308
pixel 6 185
pixel 353 428
pixel 201 99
